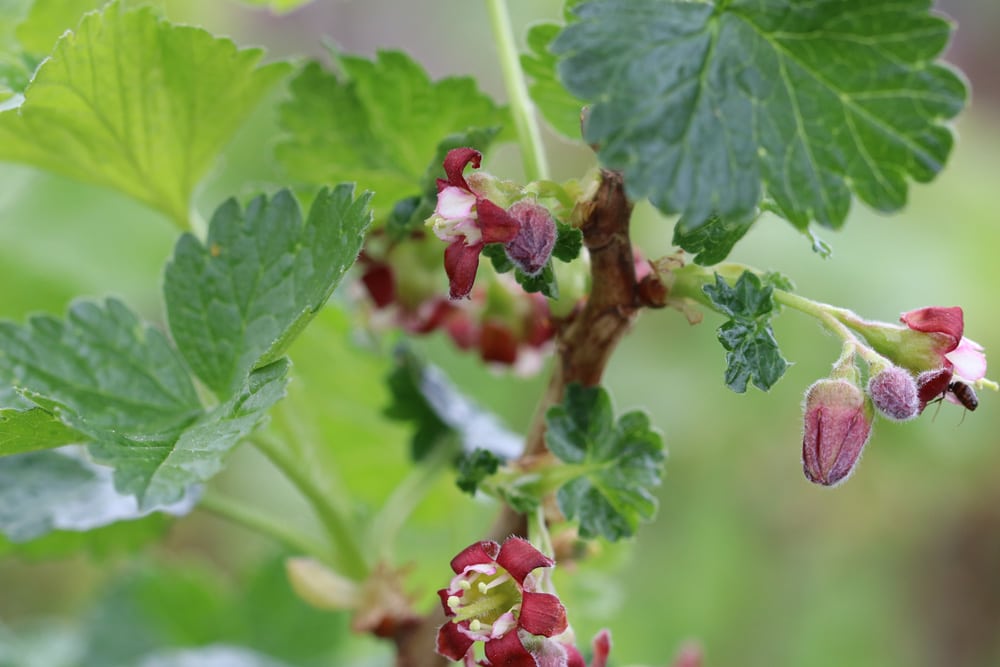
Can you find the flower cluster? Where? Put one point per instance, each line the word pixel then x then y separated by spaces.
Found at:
pixel 495 599
pixel 909 366
pixel 501 322
pixel 467 219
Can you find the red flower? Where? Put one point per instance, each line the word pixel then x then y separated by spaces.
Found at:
pixel 494 598
pixel 956 357
pixel 467 221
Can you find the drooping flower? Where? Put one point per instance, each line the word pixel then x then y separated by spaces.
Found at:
pixel 494 598
pixel 467 221
pixel 954 351
pixel 838 423
pixel 956 357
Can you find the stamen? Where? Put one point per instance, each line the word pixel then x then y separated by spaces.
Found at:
pixel 475 625
pixel 464 584
pixel 454 602
pixel 502 579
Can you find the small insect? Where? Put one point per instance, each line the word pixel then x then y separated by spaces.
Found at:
pixel 964 394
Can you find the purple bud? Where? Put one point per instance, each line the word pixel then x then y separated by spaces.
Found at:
pixel 837 426
pixel 533 245
pixel 894 393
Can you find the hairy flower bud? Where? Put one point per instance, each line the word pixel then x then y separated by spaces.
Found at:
pixel 536 237
pixel 894 393
pixel 838 422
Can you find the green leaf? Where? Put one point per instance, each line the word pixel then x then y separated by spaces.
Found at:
pixel 47 20
pixel 569 242
pixel 135 103
pixel 29 430
pixel 753 353
pixel 57 490
pixel 159 471
pixel 558 106
pixel 102 362
pixel 110 541
pixel 236 301
pixel 474 467
pixel 422 394
pixel 379 126
pixel 619 462
pixel 706 106
pixel 710 240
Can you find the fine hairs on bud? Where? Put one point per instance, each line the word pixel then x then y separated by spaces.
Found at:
pixel 894 393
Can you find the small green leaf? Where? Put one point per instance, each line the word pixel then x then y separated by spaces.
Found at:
pixel 752 351
pixel 42 492
pixel 29 430
pixel 707 106
pixel 619 462
pixel 569 242
pixel 710 240
pixel 544 281
pixel 379 126
pixel 135 103
pixel 236 301
pixel 421 393
pixel 102 362
pixel 558 106
pixel 474 467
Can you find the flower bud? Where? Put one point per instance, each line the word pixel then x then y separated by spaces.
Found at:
pixel 894 393
pixel 531 248
pixel 838 422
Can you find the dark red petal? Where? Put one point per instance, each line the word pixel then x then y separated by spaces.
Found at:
pixel 444 594
pixel 947 321
pixel 519 557
pixel 461 262
pixel 451 643
pixel 602 647
pixel 381 285
pixel 573 657
pixel 508 651
pixel 542 614
pixel 931 384
pixel 454 164
pixel 496 224
pixel 478 553
pixel 497 343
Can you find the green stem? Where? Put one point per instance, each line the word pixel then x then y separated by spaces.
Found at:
pixel 529 134
pixel 238 513
pixel 406 496
pixel 350 558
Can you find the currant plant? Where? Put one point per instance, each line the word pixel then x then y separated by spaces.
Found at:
pixel 294 315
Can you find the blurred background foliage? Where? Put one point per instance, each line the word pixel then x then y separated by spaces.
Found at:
pixel 898 567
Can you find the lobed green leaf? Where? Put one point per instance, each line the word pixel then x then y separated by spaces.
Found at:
pixel 618 462
pixel 558 106
pixel 133 102
pixel 707 106
pixel 379 126
pixel 237 300
pixel 710 240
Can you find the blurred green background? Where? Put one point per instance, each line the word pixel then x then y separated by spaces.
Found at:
pixel 900 566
